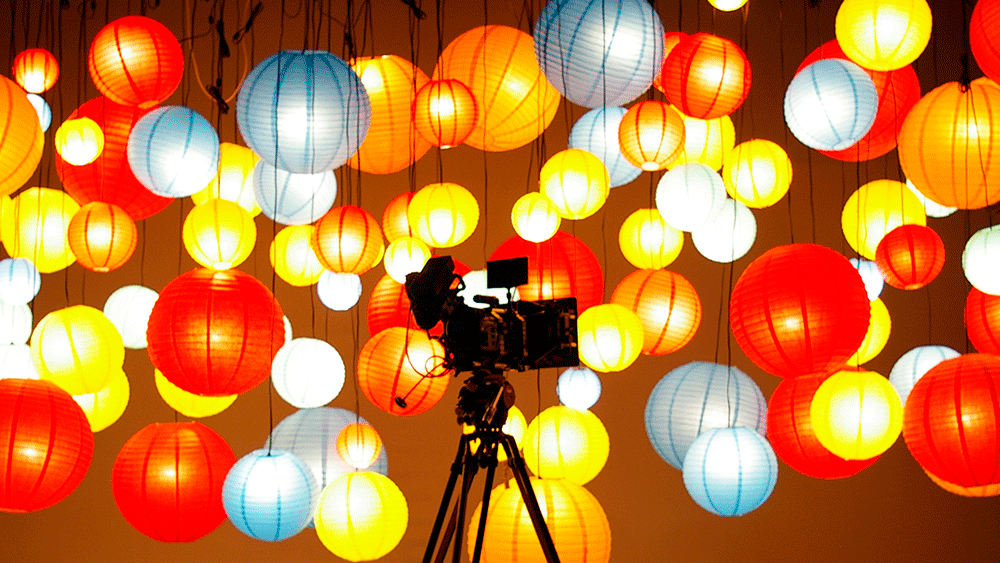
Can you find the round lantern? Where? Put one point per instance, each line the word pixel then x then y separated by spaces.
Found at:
pixel 15 362
pixel 219 234
pixel 20 137
pixel 670 40
pixel 727 5
pixel 167 480
pixel 34 226
pixel 515 100
pixel 980 260
pixel 830 104
pixel 388 305
pixel 102 236
pixel 729 235
pixel 730 471
pixel 566 443
pixel 799 309
pixel 706 76
pixel 359 444
pixel 444 112
pixel 79 141
pixel 15 323
pixel 578 388
pixel 757 173
pixel 597 133
pixel 293 258
pixel 20 281
pixel 307 373
pixel 46 445
pixel 395 221
pixel 443 215
pixel 982 321
pixel 77 348
pixel 610 337
pixel 911 366
pixel 35 70
pixel 106 406
pixel 270 495
pixel 651 135
pixel 43 110
pixel 983 37
pixel 883 35
pixel 856 414
pixel 690 195
pixel 952 419
pixel 361 516
pixel 870 275
pixel 576 182
pixel 128 308
pixel 535 217
pixel 136 61
pixel 790 431
pixel 173 151
pixel 405 255
pixel 707 141
pixel 647 241
pixel 303 111
pixel 910 256
pixel 982 491
pixel 190 404
pixel 516 425
pixel 698 396
pixel 215 332
pixel 402 372
pixel 232 181
pixel 874 210
pixel 879 327
pixel 347 240
pixel 337 291
pixel 666 304
pixel 392 142
pixel 931 207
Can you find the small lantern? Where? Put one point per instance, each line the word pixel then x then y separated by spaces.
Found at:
pixel 730 471
pixel 535 217
pixel 79 141
pixel 128 308
pixel 690 195
pixel 443 215
pixel 883 35
pixel 35 70
pixel 348 240
pixel 219 234
pixel 856 414
pixel 757 173
pixel 359 444
pixel 729 235
pixel 876 208
pixel 566 443
pixel 667 306
pixel 597 133
pixel 338 291
pixel 647 241
pixel 402 371
pixel 173 151
pixel 578 388
pixel 270 495
pixel 576 182
pixel 233 180
pixel 444 112
pixel 831 104
pixel 292 256
pixel 102 236
pixel 979 260
pixel 651 135
pixel 910 256
pixel 77 348
pixel 34 226
pixel 307 373
pixel 706 76
pixel 405 255
pixel 361 516
pixel 136 61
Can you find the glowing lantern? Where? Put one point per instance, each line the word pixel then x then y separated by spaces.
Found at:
pixel 576 182
pixel 796 290
pixel 401 371
pixel 875 209
pixel 856 414
pixel 395 221
pixel 388 305
pixel 15 323
pixel 981 491
pixel 982 321
pixel 173 151
pixel 667 306
pixel 136 61
pixel 983 37
pixel 515 100
pixel 20 281
pixel 42 109
pixel 870 275
pixel 883 35
pixel 535 217
pixel 831 104
pixel 690 195
pixel 979 260
pixel 307 373
pixel 877 336
pixel 651 135
pixel 21 138
pixel 77 348
pixel 727 5
pixel 79 141
pixel 219 234
pixel 444 112
pixel 610 337
pixel 102 236
pixel 931 207
pixel 565 443
pixel 293 258
pixel 729 235
pixel 706 76
pixel 34 226
pixel 167 480
pixel 35 70
pixel 128 309
pixel 215 332
pixel 190 404
pixel 338 292
pixel 359 444
pixel 405 255
pixel 911 366
pixel 232 181
pixel 597 133
pixel 303 111
pixel 730 471
pixel 392 142
pixel 270 495
pixel 910 256
pixel 15 362
pixel 578 388
pixel 647 241
pixel 106 406
pixel 707 141
pixel 347 240
pixel 361 516
pixel 670 40
pixel 757 173
pixel 443 215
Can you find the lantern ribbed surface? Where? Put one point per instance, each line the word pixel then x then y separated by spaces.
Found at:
pixel 270 495
pixel 359 444
pixel 444 112
pixel 566 443
pixel 20 280
pixel 597 133
pixel 361 516
pixel 395 221
pixel 912 365
pixel 910 256
pixel 36 70
pixel 690 195
pixel 292 256
pixel 875 209
pixel 136 61
pixel 647 241
pixel 79 141
pixel 535 217
pixel 20 137
pixel 982 321
pixel 388 306
pixel 984 37
pixel 34 224
pixel 830 104
pixel 307 373
pixel 706 76
pixel 730 471
pixel 666 304
pixel 219 234
pixel 610 337
pixel 77 348
pixel 651 135
pixel 757 173
pixel 400 363
pixel 102 236
pixel 443 214
pixel 883 35
pixel 348 240
pixel 173 151
pixel 576 182
pixel 293 199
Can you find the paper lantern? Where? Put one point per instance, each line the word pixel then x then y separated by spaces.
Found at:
pixel 910 256
pixel 106 406
pixel 830 104
pixel 79 141
pixel 730 471
pixel 667 306
pixel 695 397
pixel 535 217
pixel 77 348
pixel 347 239
pixel 46 445
pixel 983 37
pixel 167 480
pixel 793 291
pixel 190 404
pixel 877 336
pixel 303 111
pixel 727 5
pixel 15 362
pixel 578 388
pixel 757 173
pixel 790 431
pixel 931 207
pixel 293 258
pixel 359 444
pixel 36 70
pixel 128 309
pixel 729 235
pixel 102 236
pixel 651 135
pixel 337 291
pixel 395 221
pixel 392 142
pixel 883 35
pixel 443 215
pixel 135 61
pixel 690 195
pixel 21 138
pixel 173 151
pixel 870 275
pixel 515 100
pixel 20 280
pixel 576 182
pixel 911 366
pixel 219 234
pixel 647 241
pixel 215 332
pixel 388 305
pixel 982 491
pixel 42 109
pixel 856 414
pixel 270 495
pixel 670 40
pixel 405 255
pixel 402 371
pixel 566 443
pixel 232 180
pixel 707 141
pixel 444 112
pixel 599 53
pixel 706 76
pixel 307 373
pixel 361 516
pixel 597 133
pixel 982 321
pixel 979 260
pixel 15 323
pixel 875 209
pixel 34 226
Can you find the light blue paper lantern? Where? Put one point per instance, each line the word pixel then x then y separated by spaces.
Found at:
pixel 698 396
pixel 870 274
pixel 338 291
pixel 599 52
pixel 15 323
pixel 578 388
pixel 270 496
pixel 730 471
pixel 293 199
pixel 729 235
pixel 830 104
pixel 597 133
pixel 173 151
pixel 912 365
pixel 20 280
pixel 303 111
pixel 42 109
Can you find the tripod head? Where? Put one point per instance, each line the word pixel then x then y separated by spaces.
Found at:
pixel 485 400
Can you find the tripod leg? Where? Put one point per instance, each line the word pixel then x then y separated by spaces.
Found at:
pixel 458 518
pixel 456 469
pixel 516 463
pixel 488 488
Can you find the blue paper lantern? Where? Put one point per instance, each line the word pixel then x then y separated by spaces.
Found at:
pixel 599 52
pixel 870 274
pixel 597 132
pixel 293 199
pixel 912 365
pixel 578 388
pixel 173 151
pixel 270 495
pixel 830 104
pixel 698 396
pixel 730 471
pixel 303 111
pixel 20 280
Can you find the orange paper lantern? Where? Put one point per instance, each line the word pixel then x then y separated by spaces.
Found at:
pixel 706 76
pixel 667 306
pixel 651 135
pixel 136 61
pixel 102 236
pixel 984 37
pixel 395 222
pixel 35 70
pixel 20 137
pixel 910 256
pixel 982 321
pixel 348 240
pixel 445 112
pixel 401 371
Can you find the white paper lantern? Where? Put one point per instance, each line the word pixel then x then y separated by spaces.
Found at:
pixel 690 195
pixel 293 199
pixel 405 255
pixel 578 388
pixel 288 329
pixel 475 284
pixel 307 373
pixel 173 151
pixel 15 362
pixel 981 260
pixel 730 471
pixel 270 495
pixel 20 280
pixel 597 133
pixel 15 323
pixel 830 104
pixel 128 308
pixel 42 109
pixel 338 291
pixel 729 236
pixel 871 275
pixel 931 207
pixel 912 365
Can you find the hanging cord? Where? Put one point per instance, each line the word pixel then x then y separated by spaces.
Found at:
pixel 214 91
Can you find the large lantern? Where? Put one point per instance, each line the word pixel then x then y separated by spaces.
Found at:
pixel 173 151
pixel 77 348
pixel 443 214
pixel 576 182
pixel 706 76
pixel 401 371
pixel 876 208
pixel 883 35
pixel 982 321
pixel 597 133
pixel 647 241
pixel 21 137
pixel 757 173
pixel 102 236
pixel 348 240
pixel 830 104
pixel 270 494
pixel 35 70
pixel 219 234
pixel 856 414
pixel 730 471
pixel 651 135
pixel 667 306
pixel 34 226
pixel 361 516
pixel 910 256
pixel 444 112
pixel 136 61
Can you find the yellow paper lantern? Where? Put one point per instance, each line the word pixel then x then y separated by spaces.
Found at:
pixel 707 141
pixel 361 516
pixel 190 404
pixel 77 348
pixel 884 34
pixel 443 215
pixel 876 208
pixel 219 234
pixel 34 227
pixel 757 173
pixel 535 217
pixel 293 258
pixel 856 414
pixel 647 241
pixel 232 181
pixel 516 426
pixel 21 137
pixel 395 222
pixel 609 336
pixel 651 135
pixel 565 443
pixel 106 406
pixel 359 444
pixel 576 182
pixel 877 336
pixel 727 5
pixel 405 255
pixel 79 141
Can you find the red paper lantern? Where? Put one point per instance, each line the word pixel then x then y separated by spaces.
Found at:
pixel 136 61
pixel 35 70
pixel 215 332
pixel 951 422
pixel 651 135
pixel 984 37
pixel 790 431
pixel 348 240
pixel 799 309
pixel 401 371
pixel 45 444
pixel 706 76
pixel 910 256
pixel 167 480
pixel 982 321
pixel 445 112
pixel 667 306
pixel 561 266
pixel 388 305
pixel 102 236
pixel 670 40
